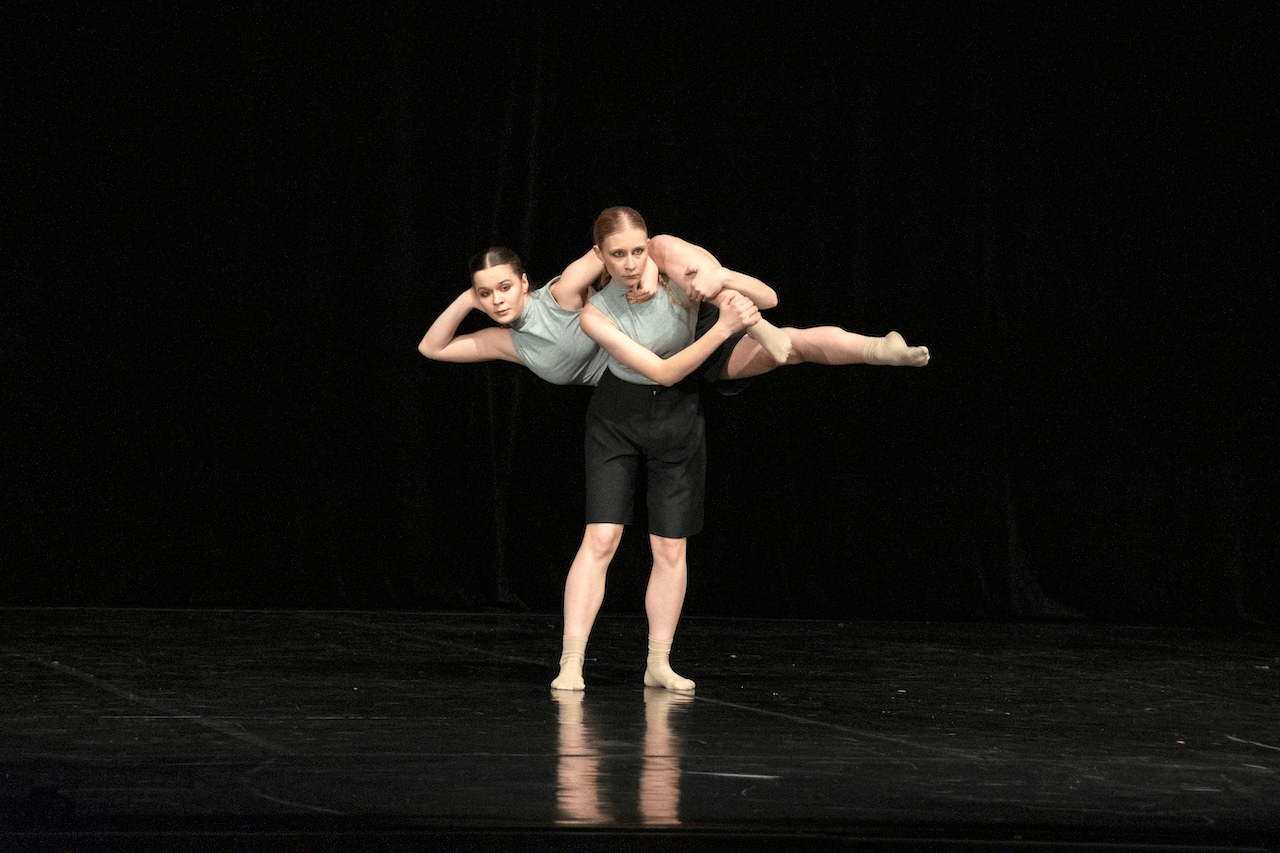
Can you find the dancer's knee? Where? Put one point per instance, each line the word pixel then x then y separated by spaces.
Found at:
pixel 600 541
pixel 668 553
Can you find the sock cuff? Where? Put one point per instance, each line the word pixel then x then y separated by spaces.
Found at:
pixel 661 646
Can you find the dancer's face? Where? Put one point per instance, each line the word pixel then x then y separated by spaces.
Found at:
pixel 624 253
pixel 501 292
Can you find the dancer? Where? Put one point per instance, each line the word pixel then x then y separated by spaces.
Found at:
pixel 631 423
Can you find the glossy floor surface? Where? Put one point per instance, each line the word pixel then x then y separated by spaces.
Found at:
pixel 146 729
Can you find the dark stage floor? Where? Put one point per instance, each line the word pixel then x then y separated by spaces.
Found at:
pixel 289 730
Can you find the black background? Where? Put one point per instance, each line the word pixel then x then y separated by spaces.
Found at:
pixel 232 224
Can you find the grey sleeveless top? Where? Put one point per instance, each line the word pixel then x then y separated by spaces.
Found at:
pixel 662 325
pixel 550 342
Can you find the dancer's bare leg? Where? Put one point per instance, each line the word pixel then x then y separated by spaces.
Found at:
pixel 697 271
pixel 825 345
pixel 583 595
pixel 663 601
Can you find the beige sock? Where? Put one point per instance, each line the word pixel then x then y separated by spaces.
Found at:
pixel 892 350
pixel 574 652
pixel 659 673
pixel 775 341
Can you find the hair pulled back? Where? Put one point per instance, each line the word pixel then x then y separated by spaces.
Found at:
pixel 495 256
pixel 614 219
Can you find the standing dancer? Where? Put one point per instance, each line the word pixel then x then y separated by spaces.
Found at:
pixel 633 422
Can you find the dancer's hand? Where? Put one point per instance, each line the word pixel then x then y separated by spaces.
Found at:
pixel 705 283
pixel 644 290
pixel 738 313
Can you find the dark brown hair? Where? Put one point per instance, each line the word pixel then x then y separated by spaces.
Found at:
pixel 494 256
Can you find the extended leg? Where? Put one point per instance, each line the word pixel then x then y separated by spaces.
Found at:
pixel 826 345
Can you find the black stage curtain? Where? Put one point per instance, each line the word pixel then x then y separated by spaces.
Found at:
pixel 234 223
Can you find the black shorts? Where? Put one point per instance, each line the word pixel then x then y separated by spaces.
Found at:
pixel 630 425
pixel 711 369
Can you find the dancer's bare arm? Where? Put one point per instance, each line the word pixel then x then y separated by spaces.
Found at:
pixel 648 285
pixel 443 343
pixel 738 314
pixel 573 290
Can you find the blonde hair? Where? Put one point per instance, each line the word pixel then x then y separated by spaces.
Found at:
pixel 610 221
pixel 614 219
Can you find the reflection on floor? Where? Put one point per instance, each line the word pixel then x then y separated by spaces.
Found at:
pixel 130 729
pixel 580 782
